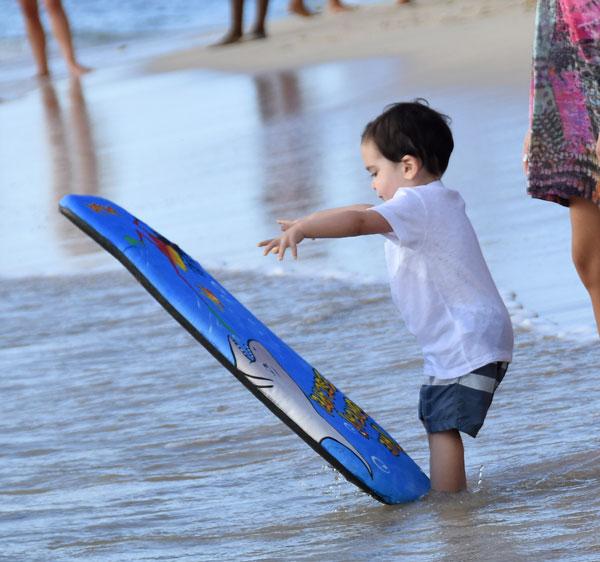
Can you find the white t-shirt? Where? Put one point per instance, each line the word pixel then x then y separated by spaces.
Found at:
pixel 441 284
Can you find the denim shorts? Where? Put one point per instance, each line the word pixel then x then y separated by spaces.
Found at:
pixel 462 402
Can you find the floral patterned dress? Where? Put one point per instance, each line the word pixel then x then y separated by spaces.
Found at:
pixel 565 102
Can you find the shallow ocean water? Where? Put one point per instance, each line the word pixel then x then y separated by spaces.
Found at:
pixel 123 439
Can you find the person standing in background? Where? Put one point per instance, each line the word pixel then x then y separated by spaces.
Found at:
pixel 561 153
pixel 61 30
pixel 299 8
pixel 237 22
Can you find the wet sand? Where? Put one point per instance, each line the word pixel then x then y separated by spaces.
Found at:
pixel 446 36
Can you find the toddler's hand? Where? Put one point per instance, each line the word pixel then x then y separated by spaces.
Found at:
pixel 285 224
pixel 292 236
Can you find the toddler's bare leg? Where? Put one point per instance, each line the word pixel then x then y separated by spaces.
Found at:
pixel 447 461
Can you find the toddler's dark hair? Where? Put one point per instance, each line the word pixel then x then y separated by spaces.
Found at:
pixel 412 128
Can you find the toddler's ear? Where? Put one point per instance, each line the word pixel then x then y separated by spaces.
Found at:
pixel 410 166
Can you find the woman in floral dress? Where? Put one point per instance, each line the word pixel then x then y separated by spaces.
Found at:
pixel 562 148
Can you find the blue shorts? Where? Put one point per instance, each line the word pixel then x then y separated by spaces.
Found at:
pixel 462 402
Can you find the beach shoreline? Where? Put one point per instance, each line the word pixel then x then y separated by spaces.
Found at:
pixel 369 31
pixel 468 30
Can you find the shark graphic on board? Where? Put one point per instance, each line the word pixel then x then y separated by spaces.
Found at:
pixel 267 376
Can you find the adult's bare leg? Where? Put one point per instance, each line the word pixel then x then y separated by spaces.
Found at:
pixel 62 32
pixel 585 225
pixel 36 35
pixel 237 23
pixel 258 32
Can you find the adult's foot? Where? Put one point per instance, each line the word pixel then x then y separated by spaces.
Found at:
pixel 229 39
pixel 299 9
pixel 337 7
pixel 258 34
pixel 76 69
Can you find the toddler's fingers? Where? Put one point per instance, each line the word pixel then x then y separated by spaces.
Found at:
pixel 271 247
pixel 266 244
pixel 281 251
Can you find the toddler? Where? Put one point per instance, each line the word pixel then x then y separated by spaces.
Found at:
pixel 439 280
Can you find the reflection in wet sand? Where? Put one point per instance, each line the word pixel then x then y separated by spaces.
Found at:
pixel 290 181
pixel 74 163
pixel 278 94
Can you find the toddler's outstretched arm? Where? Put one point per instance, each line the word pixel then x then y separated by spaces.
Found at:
pixel 356 220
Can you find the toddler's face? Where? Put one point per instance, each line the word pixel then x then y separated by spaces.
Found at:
pixel 387 176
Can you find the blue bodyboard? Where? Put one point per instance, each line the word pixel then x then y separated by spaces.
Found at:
pixel 324 417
